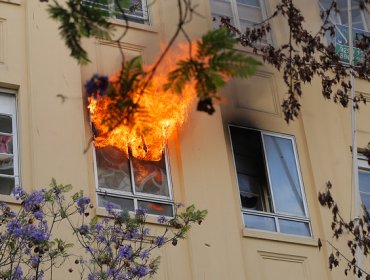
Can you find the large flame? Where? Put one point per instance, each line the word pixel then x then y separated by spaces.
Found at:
pixel 160 114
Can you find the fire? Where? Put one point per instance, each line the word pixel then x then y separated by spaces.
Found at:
pixel 160 113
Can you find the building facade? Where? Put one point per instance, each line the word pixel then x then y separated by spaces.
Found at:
pixel 257 176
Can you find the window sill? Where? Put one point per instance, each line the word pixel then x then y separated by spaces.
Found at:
pixel 150 219
pixel 134 25
pixel 9 199
pixel 15 2
pixel 286 238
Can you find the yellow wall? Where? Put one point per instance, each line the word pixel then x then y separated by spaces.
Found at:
pixel 54 134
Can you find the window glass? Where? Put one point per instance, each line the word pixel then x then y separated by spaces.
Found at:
pixel 242 13
pixel 156 208
pixel 118 203
pixel 364 186
pixel 8 144
pixel 259 222
pixel 342 16
pixel 132 10
pixel 5 124
pixel 255 3
pixel 113 169
pixel 284 176
pixel 294 227
pixel 270 187
pixel 131 183
pixel 150 177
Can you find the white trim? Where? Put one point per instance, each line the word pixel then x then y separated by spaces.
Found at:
pixel 135 196
pixel 8 107
pixel 274 214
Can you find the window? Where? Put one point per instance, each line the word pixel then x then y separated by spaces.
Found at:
pixel 364 182
pixel 358 17
pixel 135 10
pixel 269 180
pixel 243 13
pixel 9 174
pixel 131 184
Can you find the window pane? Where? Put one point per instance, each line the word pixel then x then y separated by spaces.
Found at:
pixel 294 227
pixel 364 181
pixel 220 8
pixel 6 165
pixel 249 163
pixel 255 3
pixel 6 185
pixel 283 172
pixel 113 169
pixel 119 203
pixel 6 124
pixel 259 222
pixel 364 186
pixel 250 14
pixel 151 177
pixel 156 208
pixel 6 144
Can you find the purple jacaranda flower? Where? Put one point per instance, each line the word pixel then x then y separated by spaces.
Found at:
pixel 33 201
pixel 97 85
pixel 82 204
pixel 159 240
pixel 17 273
pixel 141 211
pixel 15 229
pixel 144 254
pixel 140 270
pixel 125 251
pixel 34 261
pixel 38 215
pixel 161 219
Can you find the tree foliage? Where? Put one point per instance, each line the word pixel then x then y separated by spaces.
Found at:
pixel 119 246
pixel 304 56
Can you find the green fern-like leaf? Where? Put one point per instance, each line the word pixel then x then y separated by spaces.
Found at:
pixel 215 61
pixel 79 20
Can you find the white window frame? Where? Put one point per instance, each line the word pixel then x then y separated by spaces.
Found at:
pixel 9 108
pixel 364 167
pixel 133 195
pixel 235 14
pixel 338 20
pixel 274 214
pixel 131 18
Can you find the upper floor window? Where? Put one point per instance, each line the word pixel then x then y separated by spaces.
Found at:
pixel 9 174
pixel 358 16
pixel 364 182
pixel 242 13
pixel 134 10
pixel 269 180
pixel 131 183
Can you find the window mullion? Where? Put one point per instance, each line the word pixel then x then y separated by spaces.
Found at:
pixel 133 185
pixel 234 9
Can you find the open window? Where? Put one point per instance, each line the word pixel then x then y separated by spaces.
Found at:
pixel 131 183
pixel 269 180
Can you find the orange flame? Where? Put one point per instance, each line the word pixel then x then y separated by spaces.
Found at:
pixel 160 114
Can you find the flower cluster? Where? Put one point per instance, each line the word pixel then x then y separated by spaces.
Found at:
pixel 96 86
pixel 120 246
